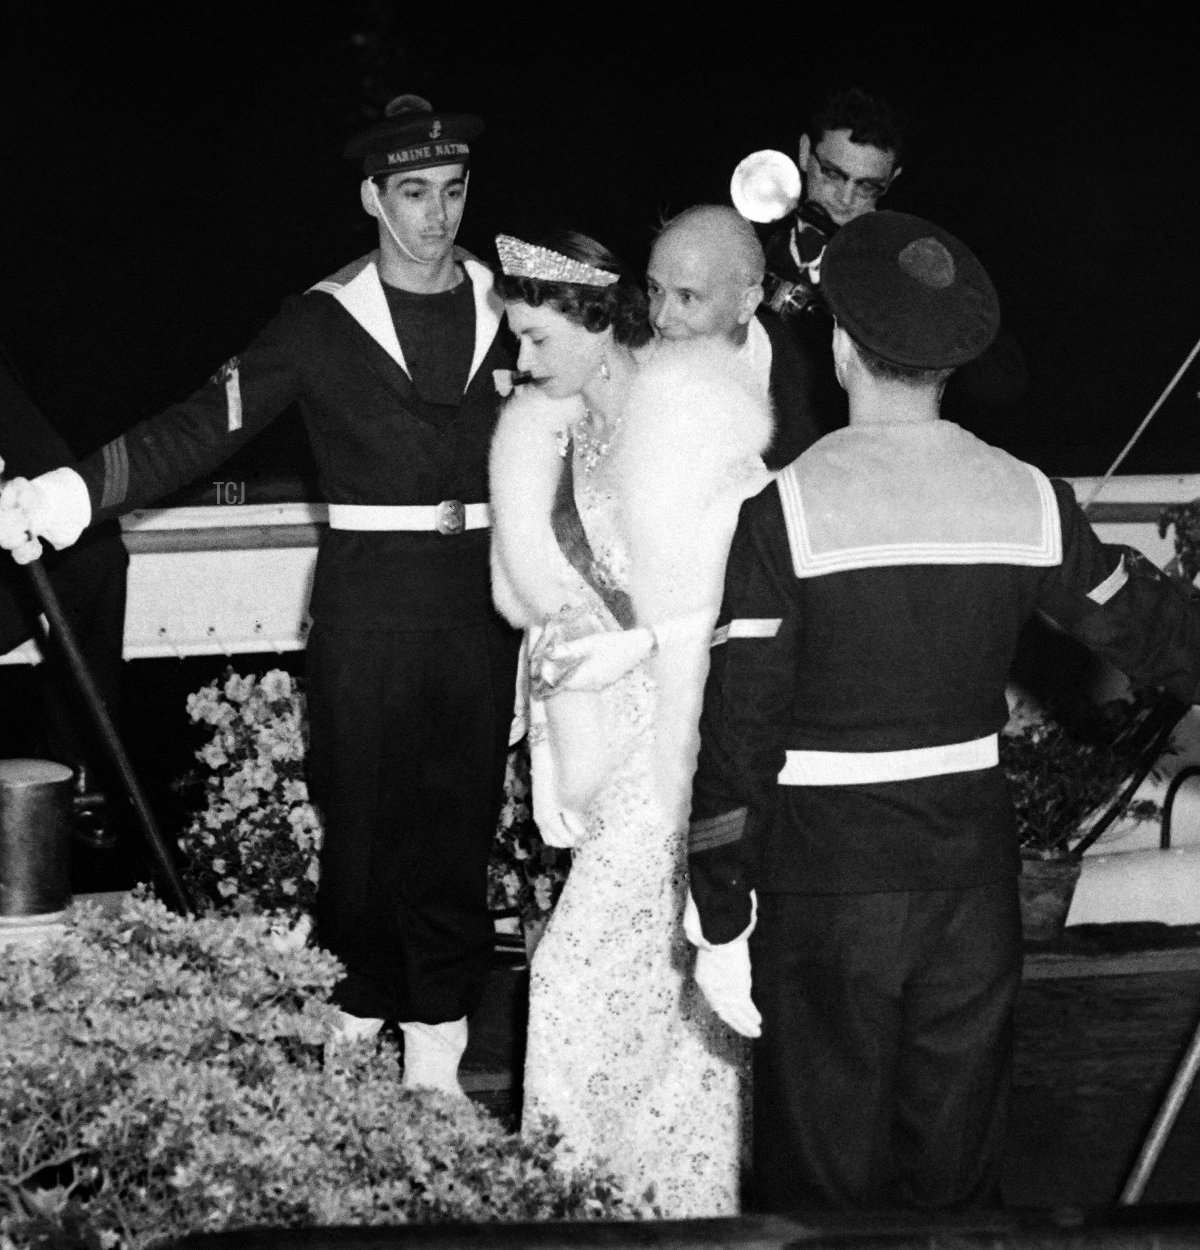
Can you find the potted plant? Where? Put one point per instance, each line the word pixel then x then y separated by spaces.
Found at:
pixel 1069 782
pixel 1075 765
pixel 1185 519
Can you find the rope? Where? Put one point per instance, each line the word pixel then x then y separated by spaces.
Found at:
pixel 1100 485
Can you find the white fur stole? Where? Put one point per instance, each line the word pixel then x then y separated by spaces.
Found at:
pixel 531 578
pixel 696 426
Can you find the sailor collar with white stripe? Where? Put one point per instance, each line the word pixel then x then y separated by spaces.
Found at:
pixel 359 289
pixel 887 495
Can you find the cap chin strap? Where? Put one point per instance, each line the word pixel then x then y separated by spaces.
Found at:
pixel 417 260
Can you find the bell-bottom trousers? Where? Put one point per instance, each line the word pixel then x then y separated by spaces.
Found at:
pixel 409 736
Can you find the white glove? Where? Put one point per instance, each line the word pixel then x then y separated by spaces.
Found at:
pixel 594 662
pixel 16 529
pixel 54 506
pixel 677 631
pixel 723 975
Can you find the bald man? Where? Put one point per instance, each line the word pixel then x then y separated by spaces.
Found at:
pixel 705 281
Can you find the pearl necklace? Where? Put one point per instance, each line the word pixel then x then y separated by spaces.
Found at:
pixel 592 449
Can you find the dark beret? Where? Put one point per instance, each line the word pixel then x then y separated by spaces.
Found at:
pixel 909 291
pixel 410 135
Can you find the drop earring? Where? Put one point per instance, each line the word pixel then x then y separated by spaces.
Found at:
pixel 604 373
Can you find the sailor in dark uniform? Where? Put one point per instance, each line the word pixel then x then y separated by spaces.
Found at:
pixel 410 672
pixel 852 842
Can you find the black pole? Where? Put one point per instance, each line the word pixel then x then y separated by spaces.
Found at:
pixel 1156 729
pixel 62 632
pixel 1168 1113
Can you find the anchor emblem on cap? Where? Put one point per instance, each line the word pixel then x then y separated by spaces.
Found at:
pixel 435 129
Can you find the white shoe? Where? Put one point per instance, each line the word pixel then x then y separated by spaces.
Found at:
pixel 349 1031
pixel 432 1053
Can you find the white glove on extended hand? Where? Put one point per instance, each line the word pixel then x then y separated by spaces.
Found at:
pixel 723 975
pixel 54 506
pixel 15 527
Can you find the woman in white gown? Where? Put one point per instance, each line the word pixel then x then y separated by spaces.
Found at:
pixel 617 472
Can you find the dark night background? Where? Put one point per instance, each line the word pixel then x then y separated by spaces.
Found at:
pixel 172 172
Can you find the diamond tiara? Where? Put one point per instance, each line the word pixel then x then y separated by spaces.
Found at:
pixel 527 260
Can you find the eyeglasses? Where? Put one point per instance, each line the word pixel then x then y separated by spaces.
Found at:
pixel 860 188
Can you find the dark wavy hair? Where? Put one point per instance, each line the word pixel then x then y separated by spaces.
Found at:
pixel 622 305
pixel 869 118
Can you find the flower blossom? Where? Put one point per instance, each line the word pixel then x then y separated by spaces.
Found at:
pixel 277 684
pixel 237 688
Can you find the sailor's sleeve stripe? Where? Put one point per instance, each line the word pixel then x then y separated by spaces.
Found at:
pixel 755 627
pixel 747 627
pixel 233 400
pixel 1111 584
pixel 714 831
pixel 116 473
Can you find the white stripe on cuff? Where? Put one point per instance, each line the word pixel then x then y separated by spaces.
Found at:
pixel 1110 585
pixel 755 627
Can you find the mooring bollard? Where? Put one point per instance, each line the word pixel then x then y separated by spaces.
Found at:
pixel 35 829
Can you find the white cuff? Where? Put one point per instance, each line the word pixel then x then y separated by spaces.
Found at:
pixel 695 935
pixel 66 508
pixel 680 629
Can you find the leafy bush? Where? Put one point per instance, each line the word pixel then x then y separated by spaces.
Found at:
pixel 161 1076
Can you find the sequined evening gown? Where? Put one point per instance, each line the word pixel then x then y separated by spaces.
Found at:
pixel 622 1049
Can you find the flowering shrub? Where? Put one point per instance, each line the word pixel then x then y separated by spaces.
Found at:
pixel 253 845
pixel 162 1076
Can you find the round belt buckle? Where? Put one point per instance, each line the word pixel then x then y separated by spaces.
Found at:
pixel 451 516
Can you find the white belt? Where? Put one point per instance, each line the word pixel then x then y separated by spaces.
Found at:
pixel 451 516
pixel 848 768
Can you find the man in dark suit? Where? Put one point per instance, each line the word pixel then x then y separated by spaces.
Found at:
pixel 849 158
pixel 705 279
